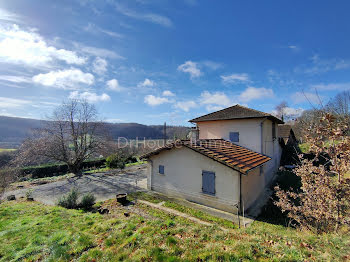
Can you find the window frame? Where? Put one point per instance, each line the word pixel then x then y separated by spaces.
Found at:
pixel 161 167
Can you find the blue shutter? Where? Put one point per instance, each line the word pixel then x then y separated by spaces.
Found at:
pixel 208 182
pixel 234 136
pixel 161 169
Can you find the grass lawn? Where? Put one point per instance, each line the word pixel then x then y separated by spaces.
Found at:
pixel 32 231
pixel 7 150
pixel 105 169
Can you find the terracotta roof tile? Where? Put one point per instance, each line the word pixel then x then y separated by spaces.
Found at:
pixel 225 152
pixel 236 112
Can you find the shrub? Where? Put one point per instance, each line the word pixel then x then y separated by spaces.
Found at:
pixel 70 200
pixel 115 161
pixel 87 201
pixel 322 203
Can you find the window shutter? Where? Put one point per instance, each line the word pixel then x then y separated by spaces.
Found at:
pixel 273 130
pixel 208 182
pixel 234 136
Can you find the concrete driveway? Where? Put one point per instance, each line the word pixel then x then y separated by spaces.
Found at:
pixel 103 185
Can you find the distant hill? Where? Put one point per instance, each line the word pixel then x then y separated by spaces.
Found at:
pixel 13 130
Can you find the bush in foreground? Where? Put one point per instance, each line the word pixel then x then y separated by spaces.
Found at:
pixel 115 161
pixel 87 201
pixel 70 200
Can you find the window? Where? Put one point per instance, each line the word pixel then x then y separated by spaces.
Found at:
pixel 234 136
pixel 273 131
pixel 161 169
pixel 208 182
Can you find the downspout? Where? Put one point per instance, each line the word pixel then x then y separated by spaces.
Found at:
pixel 149 180
pixel 262 142
pixel 240 199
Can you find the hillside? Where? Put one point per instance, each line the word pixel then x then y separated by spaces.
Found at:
pixel 14 130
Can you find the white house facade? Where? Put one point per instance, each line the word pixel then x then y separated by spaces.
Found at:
pixel 227 164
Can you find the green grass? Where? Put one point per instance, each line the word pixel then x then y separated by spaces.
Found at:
pixel 136 163
pixel 31 231
pixel 304 147
pixel 7 150
pixel 105 169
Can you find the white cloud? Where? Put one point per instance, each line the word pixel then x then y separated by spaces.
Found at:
pixel 213 108
pixel 114 120
pixel 146 83
pixel 319 65
pixel 149 17
pixel 114 85
pixel 9 17
pixel 168 93
pixel 191 68
pixel 6 102
pixel 15 79
pixel 28 47
pixel 302 97
pixel 99 65
pixel 253 93
pixel 290 112
pixel 89 96
pixel 217 98
pixel 100 52
pixel 155 100
pixel 96 29
pixel 212 65
pixel 235 78
pixel 66 79
pixel 332 86
pixel 185 105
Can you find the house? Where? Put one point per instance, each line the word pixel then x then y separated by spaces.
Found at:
pixel 286 135
pixel 227 164
pixel 289 145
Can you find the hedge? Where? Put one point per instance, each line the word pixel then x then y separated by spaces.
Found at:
pixel 56 169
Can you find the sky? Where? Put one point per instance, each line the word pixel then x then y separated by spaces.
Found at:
pixel 151 61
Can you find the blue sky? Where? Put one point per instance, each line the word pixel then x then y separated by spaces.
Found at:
pixel 150 61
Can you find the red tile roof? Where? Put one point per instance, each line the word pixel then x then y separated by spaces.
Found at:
pixel 234 156
pixel 236 112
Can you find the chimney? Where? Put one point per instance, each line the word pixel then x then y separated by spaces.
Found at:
pixel 194 134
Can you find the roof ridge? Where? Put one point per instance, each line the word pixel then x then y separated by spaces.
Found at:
pixel 235 112
pixel 216 111
pixel 252 109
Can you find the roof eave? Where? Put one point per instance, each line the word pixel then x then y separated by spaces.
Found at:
pixel 272 118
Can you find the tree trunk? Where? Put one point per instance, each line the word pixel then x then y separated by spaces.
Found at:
pixel 76 169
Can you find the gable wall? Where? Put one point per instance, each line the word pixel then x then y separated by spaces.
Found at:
pixel 183 178
pixel 249 131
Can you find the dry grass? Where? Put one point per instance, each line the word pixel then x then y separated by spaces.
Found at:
pixel 32 231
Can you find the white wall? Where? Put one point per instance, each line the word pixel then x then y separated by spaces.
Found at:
pixel 249 137
pixel 253 185
pixel 249 131
pixel 271 148
pixel 183 178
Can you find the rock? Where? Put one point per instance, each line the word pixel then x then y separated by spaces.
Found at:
pixel 11 197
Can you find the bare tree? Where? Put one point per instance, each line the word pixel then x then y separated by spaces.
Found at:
pixel 73 135
pixel 280 109
pixel 340 104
